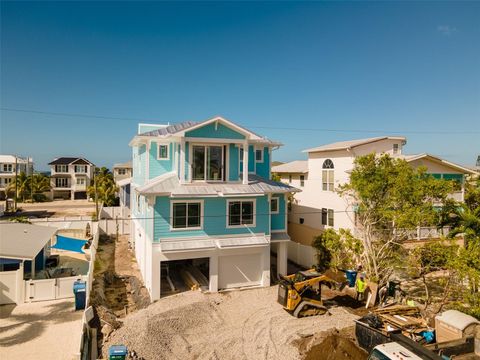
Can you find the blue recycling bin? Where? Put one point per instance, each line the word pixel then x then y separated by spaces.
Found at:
pixel 117 352
pixel 351 277
pixel 80 292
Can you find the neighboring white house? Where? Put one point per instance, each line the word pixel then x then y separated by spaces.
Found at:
pixel 319 206
pixel 10 165
pixel 70 177
pixel 122 171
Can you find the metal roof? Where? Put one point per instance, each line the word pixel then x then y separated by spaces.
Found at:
pixel 171 129
pixel 23 241
pixel 125 165
pixel 186 245
pixel 70 160
pixel 206 243
pixel 297 166
pixel 279 237
pixel 344 145
pixel 413 157
pixel 124 182
pixel 169 184
pixel 223 243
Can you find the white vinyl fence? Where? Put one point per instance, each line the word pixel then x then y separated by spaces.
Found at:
pixel 51 289
pixel 11 287
pixel 115 219
pixel 301 254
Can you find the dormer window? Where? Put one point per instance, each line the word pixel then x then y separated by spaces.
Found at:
pixel 163 152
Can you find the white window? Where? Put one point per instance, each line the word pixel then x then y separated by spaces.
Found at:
pixel 241 213
pixel 122 171
pixel 61 168
pixel 61 182
pixel 274 205
pixel 81 181
pixel 395 148
pixel 302 180
pixel 163 152
pixel 208 162
pixel 259 155
pixel 8 167
pixel 186 215
pixel 7 181
pixel 327 217
pixel 81 169
pixel 328 176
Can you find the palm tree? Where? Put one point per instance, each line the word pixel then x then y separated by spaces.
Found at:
pixel 22 186
pixel 467 223
pixel 39 184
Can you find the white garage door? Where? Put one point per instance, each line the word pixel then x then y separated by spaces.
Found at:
pixel 239 270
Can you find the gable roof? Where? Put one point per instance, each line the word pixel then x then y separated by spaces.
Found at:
pixel 413 157
pixel 347 145
pixel 297 166
pixel 70 160
pixel 179 129
pixel 126 165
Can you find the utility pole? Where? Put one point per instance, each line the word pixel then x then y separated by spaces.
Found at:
pixel 16 182
pixel 31 178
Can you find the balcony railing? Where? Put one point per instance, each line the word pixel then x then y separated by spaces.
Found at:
pixel 424 233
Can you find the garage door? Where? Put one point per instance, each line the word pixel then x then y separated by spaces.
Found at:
pixel 239 270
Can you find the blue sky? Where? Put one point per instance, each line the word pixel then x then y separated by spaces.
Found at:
pixel 365 68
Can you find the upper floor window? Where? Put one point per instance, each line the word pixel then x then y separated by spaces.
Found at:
pixel 122 171
pixel 162 152
pixel 274 208
pixel 187 215
pixel 395 148
pixel 328 175
pixel 61 168
pixel 208 162
pixel 289 179
pixel 81 169
pixel 259 155
pixel 61 182
pixel 81 181
pixel 7 167
pixel 327 217
pixel 302 180
pixel 241 213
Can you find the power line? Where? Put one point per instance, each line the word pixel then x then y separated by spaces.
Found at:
pixel 438 132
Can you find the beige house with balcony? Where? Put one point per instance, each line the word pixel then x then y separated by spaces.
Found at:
pixel 70 177
pixel 10 165
pixel 319 206
pixel 122 171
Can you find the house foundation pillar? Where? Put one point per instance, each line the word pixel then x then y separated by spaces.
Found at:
pixel 282 252
pixel 213 273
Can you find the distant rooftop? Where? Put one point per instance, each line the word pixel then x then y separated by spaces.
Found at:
pixel 70 160
pixel 297 166
pixel 125 165
pixel 346 145
pixel 171 129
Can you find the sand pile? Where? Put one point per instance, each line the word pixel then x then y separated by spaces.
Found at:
pixel 242 325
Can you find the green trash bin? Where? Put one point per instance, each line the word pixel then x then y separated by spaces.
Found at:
pixel 117 352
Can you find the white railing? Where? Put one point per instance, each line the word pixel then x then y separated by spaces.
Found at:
pixel 424 233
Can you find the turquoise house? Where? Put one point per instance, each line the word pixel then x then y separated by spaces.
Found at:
pixel 202 201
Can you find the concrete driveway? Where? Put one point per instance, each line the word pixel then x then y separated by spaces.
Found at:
pixel 40 330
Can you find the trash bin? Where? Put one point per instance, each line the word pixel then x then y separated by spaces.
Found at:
pixel 351 277
pixel 117 352
pixel 80 292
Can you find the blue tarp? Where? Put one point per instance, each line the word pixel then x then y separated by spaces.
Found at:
pixel 70 244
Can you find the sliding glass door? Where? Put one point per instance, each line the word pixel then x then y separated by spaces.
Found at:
pixel 207 163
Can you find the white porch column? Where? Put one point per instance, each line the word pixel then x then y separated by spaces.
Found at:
pixel 156 276
pixel 245 163
pixel 182 161
pixel 266 266
pixel 147 164
pixel 213 274
pixel 282 258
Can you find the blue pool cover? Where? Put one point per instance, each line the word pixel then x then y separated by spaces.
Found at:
pixel 70 244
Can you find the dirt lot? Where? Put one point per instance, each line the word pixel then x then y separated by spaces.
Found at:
pixel 246 324
pixel 58 208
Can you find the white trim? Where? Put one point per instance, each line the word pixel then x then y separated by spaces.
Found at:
pixel 147 148
pixel 254 224
pixel 213 140
pixel 186 228
pixel 226 162
pixel 278 205
pixel 245 163
pixel 286 211
pixel 182 161
pixel 226 122
pixel 213 237
pixel 158 151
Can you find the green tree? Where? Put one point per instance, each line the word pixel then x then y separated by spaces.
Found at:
pixel 391 199
pixel 103 187
pixel 340 250
pixel 22 187
pixel 39 184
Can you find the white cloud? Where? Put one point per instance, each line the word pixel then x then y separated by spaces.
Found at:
pixel 447 30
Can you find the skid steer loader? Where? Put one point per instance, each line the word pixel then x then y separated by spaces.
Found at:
pixel 300 293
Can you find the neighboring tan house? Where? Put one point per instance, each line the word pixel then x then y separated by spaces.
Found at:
pixel 122 174
pixel 70 177
pixel 10 165
pixel 202 197
pixel 319 206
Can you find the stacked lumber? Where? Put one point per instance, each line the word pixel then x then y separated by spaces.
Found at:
pixel 406 318
pixel 189 280
pixel 198 275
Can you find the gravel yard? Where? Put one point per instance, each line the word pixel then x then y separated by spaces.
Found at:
pixel 246 324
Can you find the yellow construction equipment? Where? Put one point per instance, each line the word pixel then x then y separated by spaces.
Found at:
pixel 300 293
